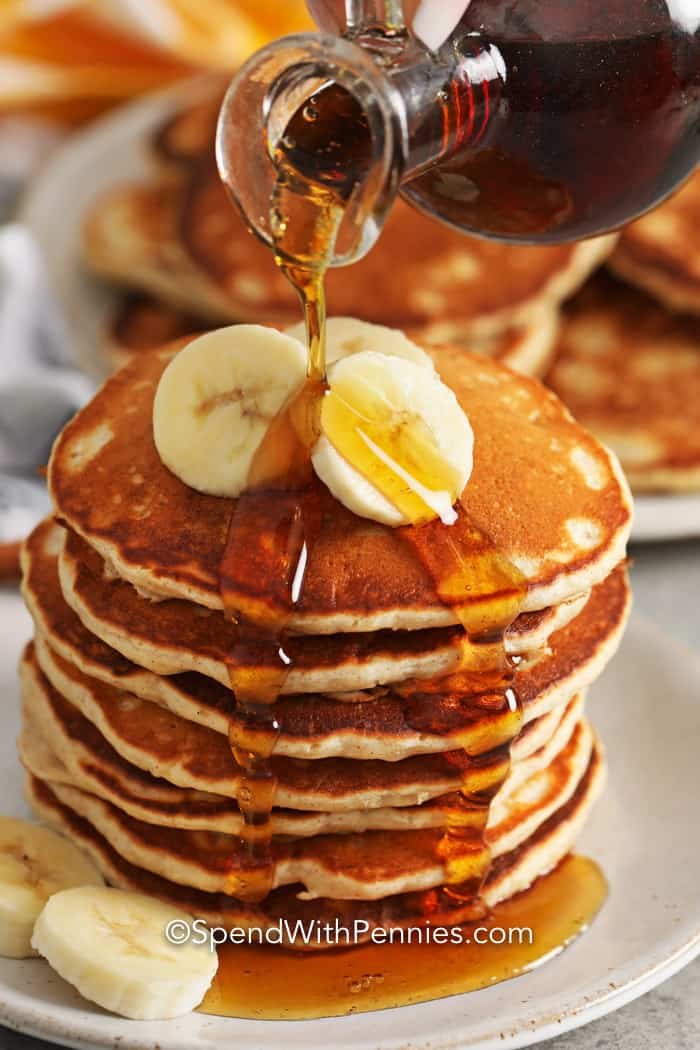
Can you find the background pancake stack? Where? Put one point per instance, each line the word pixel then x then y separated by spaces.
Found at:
pixel 126 703
pixel 628 362
pixel 180 243
pixel 622 361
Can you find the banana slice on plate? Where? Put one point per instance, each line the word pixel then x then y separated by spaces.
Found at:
pixel 34 864
pixel 112 946
pixel 348 335
pixel 215 401
pixel 395 444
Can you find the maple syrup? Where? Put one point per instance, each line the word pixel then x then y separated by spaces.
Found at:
pixel 282 492
pixel 274 984
pixel 593 120
pixel 536 121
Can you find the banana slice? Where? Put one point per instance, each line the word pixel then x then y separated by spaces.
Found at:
pixel 395 444
pixel 347 335
pixel 34 864
pixel 112 946
pixel 215 401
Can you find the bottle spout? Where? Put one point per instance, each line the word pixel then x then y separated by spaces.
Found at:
pixel 358 150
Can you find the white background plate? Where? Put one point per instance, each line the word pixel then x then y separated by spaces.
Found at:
pixel 644 833
pixel 112 151
pixel 107 153
pixel 666 517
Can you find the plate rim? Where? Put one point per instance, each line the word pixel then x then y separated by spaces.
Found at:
pixel 608 1003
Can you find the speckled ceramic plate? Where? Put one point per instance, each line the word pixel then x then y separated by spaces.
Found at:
pixel 643 832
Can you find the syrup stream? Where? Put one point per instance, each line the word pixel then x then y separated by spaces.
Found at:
pixel 484 589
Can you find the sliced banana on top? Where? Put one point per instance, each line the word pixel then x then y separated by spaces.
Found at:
pixel 112 946
pixel 34 864
pixel 395 443
pixel 347 335
pixel 215 401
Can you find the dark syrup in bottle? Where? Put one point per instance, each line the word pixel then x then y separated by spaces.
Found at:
pixel 595 117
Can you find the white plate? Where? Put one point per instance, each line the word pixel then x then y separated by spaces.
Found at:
pixel 666 517
pixel 644 833
pixel 109 152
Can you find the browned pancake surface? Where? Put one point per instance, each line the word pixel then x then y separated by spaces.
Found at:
pixel 285 902
pixel 143 323
pixel 658 252
pixel 542 490
pixel 630 371
pixel 420 274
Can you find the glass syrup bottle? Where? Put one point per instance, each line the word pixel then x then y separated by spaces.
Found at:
pixel 531 121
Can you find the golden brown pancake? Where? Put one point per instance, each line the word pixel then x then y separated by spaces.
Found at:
pixel 365 865
pixel 526 348
pixel 189 755
pixel 174 636
pixel 543 492
pixel 657 252
pixel 59 743
pixel 131 237
pixel 422 275
pixel 312 726
pixel 630 372
pixel 510 874
pixel 188 134
pixel 143 323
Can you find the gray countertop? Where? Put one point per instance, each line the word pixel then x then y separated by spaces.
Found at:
pixel 666 581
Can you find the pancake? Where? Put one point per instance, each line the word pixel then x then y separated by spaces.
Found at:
pixel 189 755
pixel 656 253
pixel 543 493
pixel 59 744
pixel 188 133
pixel 130 236
pixel 526 348
pixel 421 275
pixel 174 637
pixel 142 322
pixel 203 699
pixel 630 372
pixel 366 865
pixel 391 729
pixel 511 873
pixel 186 242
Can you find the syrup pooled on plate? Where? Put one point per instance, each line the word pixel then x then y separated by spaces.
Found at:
pixel 269 983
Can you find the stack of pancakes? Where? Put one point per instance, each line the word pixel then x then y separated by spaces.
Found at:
pixel 126 699
pixel 628 359
pixel 178 243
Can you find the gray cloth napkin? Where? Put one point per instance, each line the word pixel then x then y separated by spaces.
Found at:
pixel 39 388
